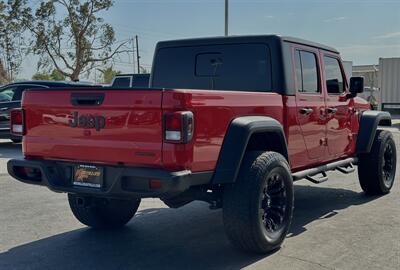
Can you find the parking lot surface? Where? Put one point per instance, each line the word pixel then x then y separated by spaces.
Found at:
pixel 335 226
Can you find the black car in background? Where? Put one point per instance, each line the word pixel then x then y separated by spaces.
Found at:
pixel 10 98
pixel 131 80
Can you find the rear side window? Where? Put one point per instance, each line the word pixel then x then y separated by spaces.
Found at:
pixel 333 75
pixel 240 67
pixel 306 72
pixel 299 75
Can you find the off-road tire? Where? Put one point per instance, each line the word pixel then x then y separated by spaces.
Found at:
pixel 377 169
pixel 243 203
pixel 102 213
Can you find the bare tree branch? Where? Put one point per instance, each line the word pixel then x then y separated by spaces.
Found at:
pixel 116 51
pixel 55 62
pixel 89 40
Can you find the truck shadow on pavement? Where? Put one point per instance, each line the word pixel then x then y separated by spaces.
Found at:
pixel 191 237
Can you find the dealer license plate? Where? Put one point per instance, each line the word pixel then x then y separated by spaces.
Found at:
pixel 88 176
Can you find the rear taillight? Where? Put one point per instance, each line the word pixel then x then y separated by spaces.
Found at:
pixel 17 122
pixel 179 127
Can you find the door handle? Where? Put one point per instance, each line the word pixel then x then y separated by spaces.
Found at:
pixel 331 110
pixel 306 111
pixel 87 99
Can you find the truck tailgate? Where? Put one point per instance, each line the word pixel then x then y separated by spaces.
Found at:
pixel 113 126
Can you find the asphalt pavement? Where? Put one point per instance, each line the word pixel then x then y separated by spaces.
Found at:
pixel 335 226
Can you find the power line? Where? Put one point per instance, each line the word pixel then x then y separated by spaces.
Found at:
pixel 146 31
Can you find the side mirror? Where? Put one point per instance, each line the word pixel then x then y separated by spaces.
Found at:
pixel 356 85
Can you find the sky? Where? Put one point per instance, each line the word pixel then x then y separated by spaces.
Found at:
pixel 363 31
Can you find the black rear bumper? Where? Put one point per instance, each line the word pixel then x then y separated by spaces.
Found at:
pixel 129 182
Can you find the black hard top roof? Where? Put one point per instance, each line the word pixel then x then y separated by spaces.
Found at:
pixel 241 39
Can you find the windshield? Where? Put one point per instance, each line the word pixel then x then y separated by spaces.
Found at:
pixel 7 94
pixel 4 97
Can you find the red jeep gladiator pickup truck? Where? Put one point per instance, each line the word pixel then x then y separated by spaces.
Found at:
pixel 232 121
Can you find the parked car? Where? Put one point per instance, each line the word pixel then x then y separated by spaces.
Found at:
pixel 10 98
pixel 131 80
pixel 233 123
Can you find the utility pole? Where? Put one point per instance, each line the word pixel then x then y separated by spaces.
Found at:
pixel 133 54
pixel 226 17
pixel 137 53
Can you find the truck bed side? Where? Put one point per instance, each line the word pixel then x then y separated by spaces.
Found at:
pixel 133 132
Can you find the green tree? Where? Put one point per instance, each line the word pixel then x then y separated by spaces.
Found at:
pixel 108 74
pixel 13 14
pixel 41 76
pixel 75 41
pixel 55 75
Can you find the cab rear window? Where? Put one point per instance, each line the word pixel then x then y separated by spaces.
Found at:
pixel 240 67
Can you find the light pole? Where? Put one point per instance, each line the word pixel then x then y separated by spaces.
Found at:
pixel 226 17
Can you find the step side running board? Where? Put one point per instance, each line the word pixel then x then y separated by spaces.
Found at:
pixel 346 169
pixel 344 166
pixel 319 180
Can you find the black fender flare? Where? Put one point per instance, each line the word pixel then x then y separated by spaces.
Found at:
pixel 369 122
pixel 235 143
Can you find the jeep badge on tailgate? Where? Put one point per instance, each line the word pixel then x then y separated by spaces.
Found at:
pixel 88 121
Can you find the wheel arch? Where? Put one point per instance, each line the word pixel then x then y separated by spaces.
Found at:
pixel 248 133
pixel 369 122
